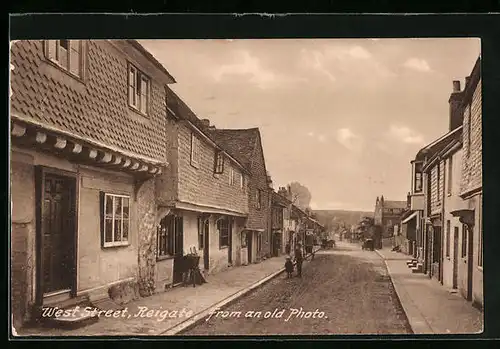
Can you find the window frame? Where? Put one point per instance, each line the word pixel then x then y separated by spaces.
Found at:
pixel 57 62
pixel 195 151
pixel 219 162
pixel 420 181
pixel 480 253
pixel 438 182
pixel 103 208
pixel 469 121
pixel 465 233
pixel 169 238
pixel 258 199
pixel 139 77
pixel 232 175
pixel 243 238
pixel 221 229
pixel 259 242
pixel 448 239
pixel 450 176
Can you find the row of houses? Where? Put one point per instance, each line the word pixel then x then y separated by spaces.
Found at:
pixel 442 227
pixel 114 178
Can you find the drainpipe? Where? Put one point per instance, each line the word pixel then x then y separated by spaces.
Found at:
pixel 443 225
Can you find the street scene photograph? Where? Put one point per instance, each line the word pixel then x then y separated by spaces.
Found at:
pixel 246 187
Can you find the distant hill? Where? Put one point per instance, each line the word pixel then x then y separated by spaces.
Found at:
pixel 349 217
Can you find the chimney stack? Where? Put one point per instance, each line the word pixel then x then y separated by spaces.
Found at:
pixel 205 122
pixel 456 109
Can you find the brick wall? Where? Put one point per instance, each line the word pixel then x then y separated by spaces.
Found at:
pixel 472 155
pixel 96 107
pixel 259 218
pixel 199 185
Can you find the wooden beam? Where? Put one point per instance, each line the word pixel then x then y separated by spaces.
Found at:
pixel 18 130
pixel 105 157
pixel 76 148
pixel 126 163
pixel 153 170
pixel 41 137
pixel 143 168
pixel 60 143
pixel 117 160
pixel 135 166
pixel 93 154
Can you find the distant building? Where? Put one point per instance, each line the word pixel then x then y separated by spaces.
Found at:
pixel 388 214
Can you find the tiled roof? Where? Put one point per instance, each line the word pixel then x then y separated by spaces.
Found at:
pixel 395 204
pixel 240 143
pixel 95 109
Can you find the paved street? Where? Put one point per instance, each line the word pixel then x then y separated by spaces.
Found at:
pixel 343 291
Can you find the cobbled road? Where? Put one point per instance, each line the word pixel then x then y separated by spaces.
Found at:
pixel 342 291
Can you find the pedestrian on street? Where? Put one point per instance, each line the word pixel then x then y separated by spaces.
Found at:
pixel 299 258
pixel 288 267
pixel 309 245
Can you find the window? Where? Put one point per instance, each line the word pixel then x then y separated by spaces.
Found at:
pixel 259 242
pixel 448 240
pixel 201 225
pixel 450 174
pixel 138 90
pixel 243 239
pixel 169 243
pixel 480 240
pixel 464 240
pixel 438 183
pixel 115 219
pixel 418 177
pixel 67 54
pixel 258 199
pixel 242 180
pixel 232 177
pixel 224 227
pixel 468 120
pixel 195 150
pixel 219 162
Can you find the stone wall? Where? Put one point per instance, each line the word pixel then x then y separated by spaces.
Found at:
pixel 146 212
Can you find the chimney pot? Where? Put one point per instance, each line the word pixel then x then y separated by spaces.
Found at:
pixel 456 86
pixel 205 122
pixel 467 80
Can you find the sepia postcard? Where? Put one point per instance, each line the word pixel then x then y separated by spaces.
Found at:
pixel 246 187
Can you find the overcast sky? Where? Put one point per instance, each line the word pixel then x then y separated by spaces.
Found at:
pixel 342 117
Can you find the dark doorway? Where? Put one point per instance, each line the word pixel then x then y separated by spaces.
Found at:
pixel 249 246
pixel 470 259
pixel 230 242
pixel 455 257
pixel 206 244
pixel 178 243
pixel 56 233
pixel 276 243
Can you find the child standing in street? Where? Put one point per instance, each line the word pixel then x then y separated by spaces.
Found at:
pixel 299 258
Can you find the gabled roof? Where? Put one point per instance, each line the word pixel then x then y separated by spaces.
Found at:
pixel 240 143
pixel 153 60
pixel 395 204
pixel 280 200
pixel 447 144
pixel 436 146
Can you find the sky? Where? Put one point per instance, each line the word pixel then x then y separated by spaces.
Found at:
pixel 344 117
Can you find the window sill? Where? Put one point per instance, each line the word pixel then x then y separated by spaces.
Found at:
pixel 138 112
pixel 194 164
pixel 115 244
pixel 163 258
pixel 217 174
pixel 223 247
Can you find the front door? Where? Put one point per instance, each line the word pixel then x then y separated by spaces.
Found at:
pixel 206 244
pixel 249 246
pixel 455 258
pixel 56 233
pixel 179 267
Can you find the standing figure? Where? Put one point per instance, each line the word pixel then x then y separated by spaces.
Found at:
pixel 289 267
pixel 299 258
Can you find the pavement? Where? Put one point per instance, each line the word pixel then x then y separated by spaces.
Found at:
pixel 174 311
pixel 429 306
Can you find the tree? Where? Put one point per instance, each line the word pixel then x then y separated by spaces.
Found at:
pixel 302 194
